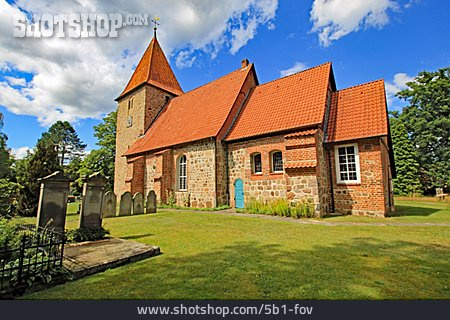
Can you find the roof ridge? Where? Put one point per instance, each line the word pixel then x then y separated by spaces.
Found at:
pixel 203 85
pixel 361 85
pixel 291 75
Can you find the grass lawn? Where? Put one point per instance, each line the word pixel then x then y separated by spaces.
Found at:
pixel 212 256
pixel 408 210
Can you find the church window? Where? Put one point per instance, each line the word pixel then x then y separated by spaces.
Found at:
pixel 347 164
pixel 256 163
pixel 182 173
pixel 276 161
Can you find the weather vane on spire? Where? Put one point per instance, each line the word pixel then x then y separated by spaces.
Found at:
pixel 156 24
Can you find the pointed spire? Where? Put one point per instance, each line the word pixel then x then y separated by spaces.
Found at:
pixel 153 69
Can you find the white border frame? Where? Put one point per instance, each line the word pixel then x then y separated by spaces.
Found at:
pixel 338 169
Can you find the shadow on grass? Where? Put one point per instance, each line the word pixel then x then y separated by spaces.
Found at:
pixel 137 236
pixel 363 268
pixel 408 211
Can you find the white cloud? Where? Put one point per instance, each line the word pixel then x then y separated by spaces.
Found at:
pixel 184 59
pixel 79 78
pixel 297 67
pixel 333 19
pixel 21 152
pixel 16 81
pixel 398 83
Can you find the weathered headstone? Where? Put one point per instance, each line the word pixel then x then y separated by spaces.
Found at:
pixel 126 201
pixel 151 202
pixel 52 205
pixel 138 203
pixel 92 201
pixel 109 205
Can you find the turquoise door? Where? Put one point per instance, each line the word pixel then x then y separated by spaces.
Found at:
pixel 239 193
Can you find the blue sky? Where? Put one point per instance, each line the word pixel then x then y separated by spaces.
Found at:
pixel 42 81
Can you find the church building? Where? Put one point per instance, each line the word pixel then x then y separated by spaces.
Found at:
pixel 233 140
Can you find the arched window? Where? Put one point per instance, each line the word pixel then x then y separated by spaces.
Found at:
pixel 276 159
pixel 182 173
pixel 256 163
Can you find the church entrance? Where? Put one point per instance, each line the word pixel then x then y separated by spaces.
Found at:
pixel 239 193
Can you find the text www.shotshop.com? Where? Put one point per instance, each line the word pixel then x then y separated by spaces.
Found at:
pixel 263 309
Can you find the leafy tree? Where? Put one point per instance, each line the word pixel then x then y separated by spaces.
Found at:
pixel 66 141
pixel 71 170
pixel 427 121
pixel 407 181
pixel 5 157
pixel 102 159
pixel 41 163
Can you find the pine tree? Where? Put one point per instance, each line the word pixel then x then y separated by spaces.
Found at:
pixel 66 141
pixel 407 181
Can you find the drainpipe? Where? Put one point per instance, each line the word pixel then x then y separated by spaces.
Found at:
pixel 330 168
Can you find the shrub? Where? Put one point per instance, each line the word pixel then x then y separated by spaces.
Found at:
pixel 8 197
pixel 280 207
pixel 84 234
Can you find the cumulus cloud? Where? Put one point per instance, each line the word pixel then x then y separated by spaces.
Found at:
pixel 398 83
pixel 73 79
pixel 333 19
pixel 297 67
pixel 20 153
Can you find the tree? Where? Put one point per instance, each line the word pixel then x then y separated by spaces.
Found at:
pixel 427 121
pixel 66 140
pixel 41 163
pixel 5 156
pixel 102 159
pixel 407 167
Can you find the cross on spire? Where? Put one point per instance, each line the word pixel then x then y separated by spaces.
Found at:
pixel 156 24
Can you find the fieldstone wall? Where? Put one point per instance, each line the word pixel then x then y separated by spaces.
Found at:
pixel 201 174
pixel 264 186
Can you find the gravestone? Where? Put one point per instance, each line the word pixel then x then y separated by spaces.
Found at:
pixel 138 203
pixel 126 201
pixel 151 202
pixel 92 201
pixel 52 204
pixel 109 205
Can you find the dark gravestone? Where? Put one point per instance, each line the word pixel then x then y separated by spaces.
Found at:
pixel 126 201
pixel 109 205
pixel 138 203
pixel 52 205
pixel 92 201
pixel 151 202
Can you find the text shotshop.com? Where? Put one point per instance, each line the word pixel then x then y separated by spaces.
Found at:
pixel 263 309
pixel 75 25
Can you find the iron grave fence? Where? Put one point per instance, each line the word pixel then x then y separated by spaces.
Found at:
pixel 37 253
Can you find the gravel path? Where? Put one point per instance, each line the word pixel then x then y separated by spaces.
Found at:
pixel 232 212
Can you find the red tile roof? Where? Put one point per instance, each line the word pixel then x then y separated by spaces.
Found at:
pixel 195 115
pixel 300 164
pixel 358 112
pixel 301 133
pixel 153 69
pixel 294 101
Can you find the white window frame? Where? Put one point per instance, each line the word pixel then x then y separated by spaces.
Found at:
pixel 338 168
pixel 179 176
pixel 272 163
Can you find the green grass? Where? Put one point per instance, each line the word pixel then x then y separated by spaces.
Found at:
pixel 415 211
pixel 212 256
